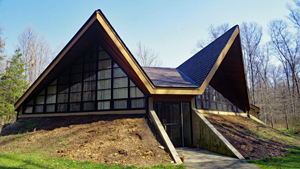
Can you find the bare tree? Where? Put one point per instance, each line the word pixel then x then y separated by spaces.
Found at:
pixel 146 56
pixel 286 48
pixel 36 52
pixel 294 15
pixel 214 33
pixel 251 36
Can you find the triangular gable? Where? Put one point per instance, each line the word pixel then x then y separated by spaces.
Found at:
pixel 96 30
pixel 221 65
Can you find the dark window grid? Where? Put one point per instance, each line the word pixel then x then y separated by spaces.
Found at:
pixel 103 88
pixel 103 68
pixel 137 99
pixel 89 82
pixel 227 103
pixel 97 64
pixel 69 92
pixel 111 85
pixel 90 59
pixel 128 94
pixel 105 60
pixel 89 70
pixel 125 75
pixel 87 78
pixel 80 103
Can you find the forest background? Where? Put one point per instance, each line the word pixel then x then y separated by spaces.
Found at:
pixel 272 67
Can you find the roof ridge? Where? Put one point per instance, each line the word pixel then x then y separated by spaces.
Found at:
pixel 184 76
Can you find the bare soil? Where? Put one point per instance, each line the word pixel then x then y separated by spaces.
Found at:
pixel 125 140
pixel 252 139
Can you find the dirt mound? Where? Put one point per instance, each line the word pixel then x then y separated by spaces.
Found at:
pixel 125 140
pixel 251 138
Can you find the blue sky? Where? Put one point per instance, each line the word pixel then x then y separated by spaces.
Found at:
pixel 170 28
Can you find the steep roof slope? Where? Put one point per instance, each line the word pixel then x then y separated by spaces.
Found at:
pixel 199 66
pixel 221 65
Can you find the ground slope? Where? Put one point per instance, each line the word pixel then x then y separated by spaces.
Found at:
pixel 125 140
pixel 251 138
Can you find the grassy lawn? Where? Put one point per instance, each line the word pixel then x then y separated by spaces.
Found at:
pixel 15 160
pixel 290 160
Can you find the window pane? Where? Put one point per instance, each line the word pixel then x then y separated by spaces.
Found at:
pixel 115 65
pixel 50 108
pixel 131 83
pixel 104 84
pixel 225 107
pixel 75 97
pixel 103 55
pixel 62 107
pixel 120 93
pixel 135 92
pixel 104 74
pixel 76 78
pixel 219 106
pixel 51 90
pixel 229 107
pixel 42 92
pixel 40 99
pixel 88 106
pixel 118 72
pixel 120 82
pixel 89 76
pixel 90 57
pixel 104 64
pixel 88 96
pixel 39 109
pixel 120 104
pixel 212 105
pixel 66 72
pixel 198 104
pixel 31 101
pixel 51 99
pixel 63 88
pixel 77 68
pixel 76 87
pixel 103 105
pixel 90 66
pixel 62 98
pixel 88 86
pixel 137 103
pixel 28 109
pixel 103 95
pixel 63 80
pixel 79 60
pixel 75 107
pixel 54 82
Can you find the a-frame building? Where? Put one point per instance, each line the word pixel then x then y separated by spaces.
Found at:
pixel 95 73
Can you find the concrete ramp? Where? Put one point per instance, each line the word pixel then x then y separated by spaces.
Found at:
pixel 198 158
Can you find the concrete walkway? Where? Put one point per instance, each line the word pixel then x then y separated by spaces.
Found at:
pixel 198 158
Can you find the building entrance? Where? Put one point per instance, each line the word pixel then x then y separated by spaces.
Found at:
pixel 176 119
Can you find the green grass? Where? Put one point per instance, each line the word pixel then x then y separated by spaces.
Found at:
pixel 291 131
pixel 290 160
pixel 15 160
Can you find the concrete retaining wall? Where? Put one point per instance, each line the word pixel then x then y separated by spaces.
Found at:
pixel 206 136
